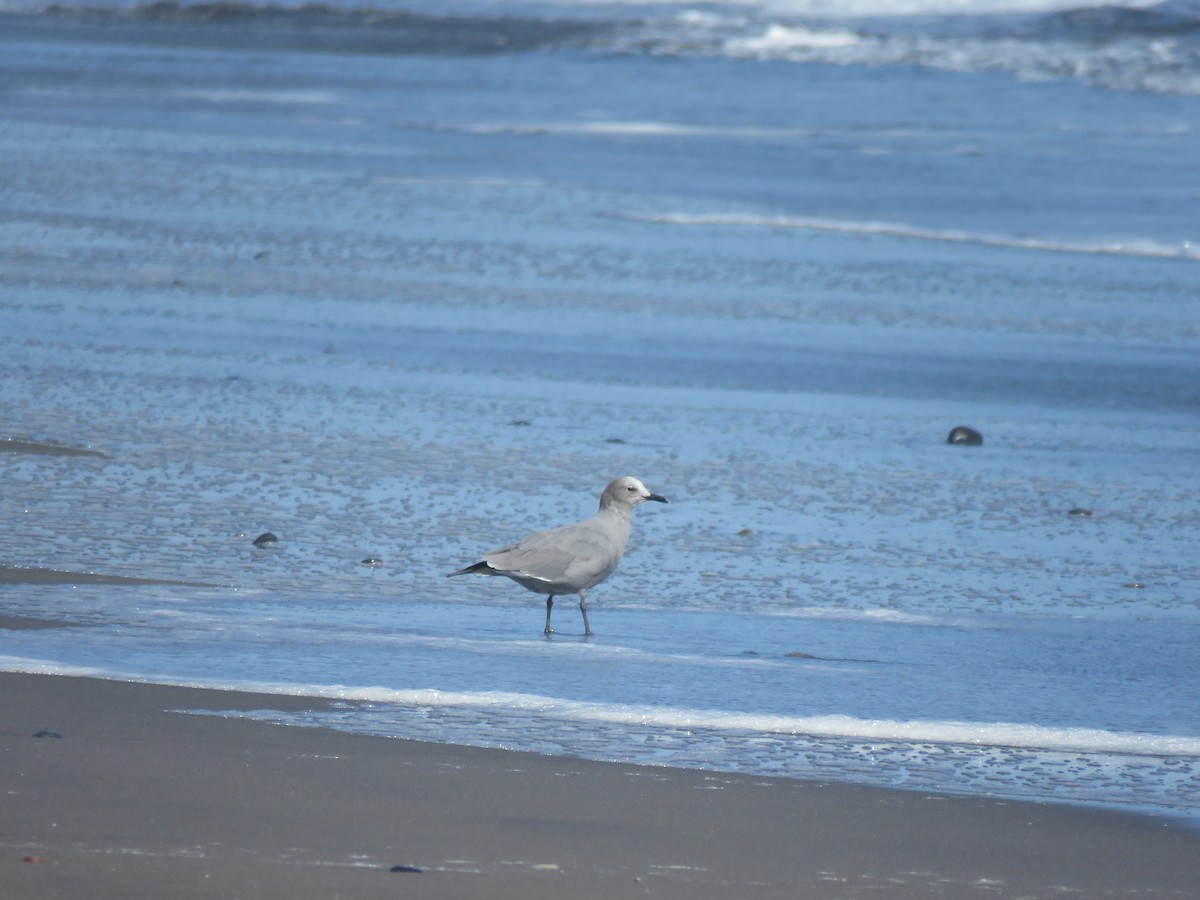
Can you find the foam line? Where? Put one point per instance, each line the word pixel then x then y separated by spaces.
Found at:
pixel 1133 247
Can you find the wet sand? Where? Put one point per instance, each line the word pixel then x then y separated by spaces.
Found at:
pixel 45 448
pixel 41 575
pixel 136 799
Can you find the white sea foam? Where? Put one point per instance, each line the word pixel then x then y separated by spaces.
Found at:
pixel 303 98
pixel 1136 247
pixel 998 734
pixel 646 128
pixel 1118 51
pixel 1123 63
pixel 980 734
pixel 893 616
pixel 537 706
pixel 782 39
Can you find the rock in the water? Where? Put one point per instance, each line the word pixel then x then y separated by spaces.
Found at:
pixel 964 435
pixel 46 733
pixel 265 538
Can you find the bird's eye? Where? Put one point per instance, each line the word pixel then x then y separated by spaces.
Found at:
pixel 631 489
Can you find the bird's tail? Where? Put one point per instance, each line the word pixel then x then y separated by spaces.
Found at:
pixel 480 568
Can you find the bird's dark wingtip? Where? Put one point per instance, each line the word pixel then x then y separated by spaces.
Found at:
pixel 471 570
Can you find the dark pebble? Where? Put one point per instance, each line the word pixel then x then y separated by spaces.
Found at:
pixel 520 423
pixel 964 435
pixel 798 654
pixel 614 441
pixel 1079 511
pixel 45 733
pixel 1137 585
pixel 406 869
pixel 373 562
pixel 265 538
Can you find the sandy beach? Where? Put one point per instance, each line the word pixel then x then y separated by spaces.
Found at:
pixel 136 799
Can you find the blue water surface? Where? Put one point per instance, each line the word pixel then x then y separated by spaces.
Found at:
pixel 405 302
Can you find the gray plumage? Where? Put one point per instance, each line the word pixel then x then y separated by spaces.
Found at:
pixel 570 559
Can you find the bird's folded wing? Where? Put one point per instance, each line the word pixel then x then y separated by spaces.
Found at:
pixel 573 553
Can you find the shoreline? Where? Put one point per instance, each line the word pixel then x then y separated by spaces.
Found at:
pixel 137 800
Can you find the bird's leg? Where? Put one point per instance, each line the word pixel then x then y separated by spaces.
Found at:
pixel 549 606
pixel 583 609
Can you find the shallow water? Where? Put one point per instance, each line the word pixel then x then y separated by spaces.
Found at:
pixel 409 307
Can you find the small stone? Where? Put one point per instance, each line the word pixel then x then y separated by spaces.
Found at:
pixel 373 561
pixel 799 654
pixel 406 869
pixel 36 859
pixel 968 437
pixel 520 423
pixel 1137 585
pixel 46 733
pixel 265 538
pixel 1079 511
pixel 614 441
pixel 745 532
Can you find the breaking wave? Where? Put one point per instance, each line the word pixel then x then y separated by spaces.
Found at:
pixel 1138 47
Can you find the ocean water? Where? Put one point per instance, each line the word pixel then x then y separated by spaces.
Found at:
pixel 402 283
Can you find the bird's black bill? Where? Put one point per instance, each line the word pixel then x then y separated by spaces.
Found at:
pixel 657 497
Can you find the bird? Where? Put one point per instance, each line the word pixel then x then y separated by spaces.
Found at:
pixel 570 559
